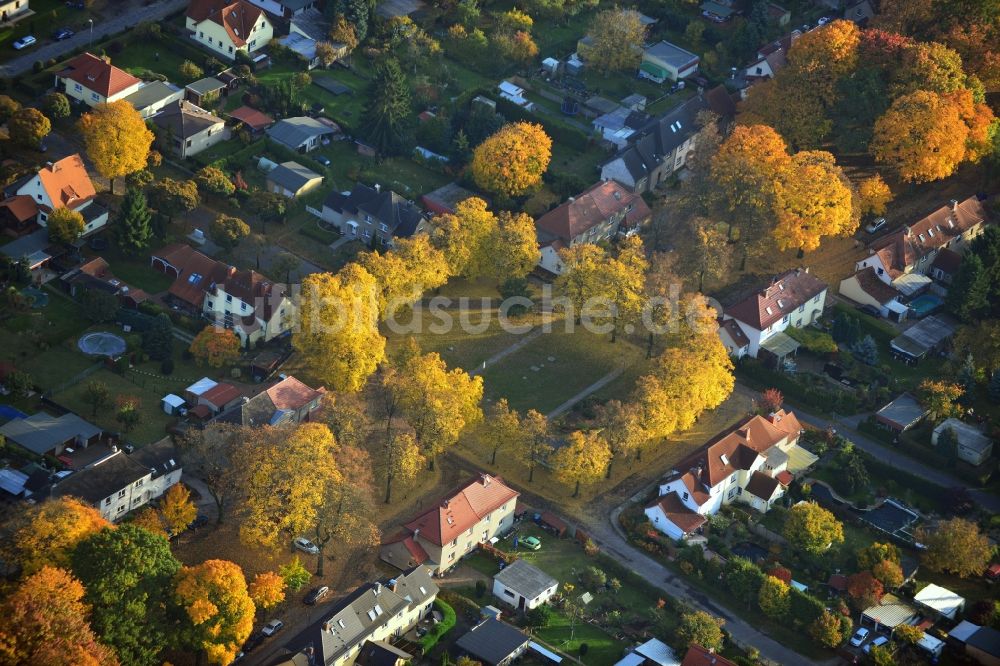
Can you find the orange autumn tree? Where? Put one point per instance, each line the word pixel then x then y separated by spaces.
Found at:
pixel 45 623
pixel 116 138
pixel 922 136
pixel 812 199
pixel 52 530
pixel 511 161
pixel 213 595
pixel 873 195
pixel 177 508
pixel 216 346
pixel 267 590
pixel 823 56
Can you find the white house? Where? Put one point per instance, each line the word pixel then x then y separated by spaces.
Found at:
pixel 523 585
pixel 285 8
pixel 229 28
pixel 795 298
pixel 190 129
pixel 94 80
pixel 753 463
pixel 13 9
pixel 515 94
pixel 65 184
pixel 974 446
pixel 252 306
pixel 866 288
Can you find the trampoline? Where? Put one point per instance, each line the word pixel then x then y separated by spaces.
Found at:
pixel 41 299
pixel 102 344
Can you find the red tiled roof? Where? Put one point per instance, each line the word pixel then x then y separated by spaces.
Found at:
pixel 97 75
pixel 761 485
pixel 67 182
pixel 784 477
pixel 699 656
pixel 21 206
pixel 196 273
pixel 457 513
pixel 201 411
pixel 782 296
pixel 238 18
pixel 97 267
pixel 292 394
pixel 735 333
pixel 905 246
pixel 592 207
pixel 220 394
pixel 870 283
pixel 681 516
pixel 256 120
pixel 416 551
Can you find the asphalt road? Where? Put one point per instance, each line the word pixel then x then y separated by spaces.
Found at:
pixel 127 14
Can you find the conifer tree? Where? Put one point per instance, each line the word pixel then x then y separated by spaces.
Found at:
pixel 135 228
pixel 387 114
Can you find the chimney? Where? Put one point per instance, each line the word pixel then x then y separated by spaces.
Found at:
pixel 416 533
pixel 378 188
pixel 954 205
pixel 485 478
pixel 378 589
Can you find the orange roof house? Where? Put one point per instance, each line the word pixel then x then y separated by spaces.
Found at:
pixel 256 121
pixel 63 184
pixel 293 395
pixel 94 80
pixel 228 26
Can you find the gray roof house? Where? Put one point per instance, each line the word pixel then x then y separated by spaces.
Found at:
pixel 523 585
pixel 44 434
pixel 901 414
pixel 974 446
pixel 301 133
pixel 189 128
pixel 198 91
pixel 291 179
pixel 151 97
pixel 368 213
pixel 493 642
pixel 657 150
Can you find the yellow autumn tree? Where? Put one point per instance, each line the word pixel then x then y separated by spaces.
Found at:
pixel 580 279
pixel 812 200
pixel 177 508
pixel 873 195
pixel 823 56
pixel 116 139
pixel 50 531
pixel 922 136
pixel 149 519
pixel 621 281
pixel 511 161
pixel 512 248
pixel 338 335
pixel 405 273
pixel 582 460
pixel 622 428
pixel 980 120
pixel 463 237
pixel 216 346
pixel 616 38
pixel 403 461
pixel 215 601
pixel 45 623
pixel 267 590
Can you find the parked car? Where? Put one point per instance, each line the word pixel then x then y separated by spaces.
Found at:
pixel 869 310
pixel 24 42
pixel 306 546
pixel 325 161
pixel 76 4
pixel 531 543
pixel 62 33
pixel 272 627
pixel 859 637
pixel 875 226
pixel 823 21
pixel 879 640
pixel 200 521
pixel 316 595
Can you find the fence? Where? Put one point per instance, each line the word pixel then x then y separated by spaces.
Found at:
pixel 73 381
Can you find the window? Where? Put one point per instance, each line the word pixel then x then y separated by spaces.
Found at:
pixel 77 87
pixel 784 320
pixel 210 306
pixel 802 307
pixel 455 542
pixel 243 306
pixel 107 501
pixel 138 484
pixel 816 299
pixel 685 496
pixel 95 96
pixel 508 593
pixel 503 508
pixel 201 35
pixel 229 298
pixel 383 227
pixel 121 493
pixel 230 49
pixel 210 40
pixel 121 509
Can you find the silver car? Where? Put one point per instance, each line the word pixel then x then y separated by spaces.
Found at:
pixel 306 546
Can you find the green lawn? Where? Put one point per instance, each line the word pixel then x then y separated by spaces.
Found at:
pixel 581 358
pixel 138 59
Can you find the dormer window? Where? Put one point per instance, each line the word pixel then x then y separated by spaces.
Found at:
pixel 930 232
pixel 921 237
pixel 768 310
pixel 724 459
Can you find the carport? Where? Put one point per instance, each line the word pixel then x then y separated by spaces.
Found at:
pixel 889 614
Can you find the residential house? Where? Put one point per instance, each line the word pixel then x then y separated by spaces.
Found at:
pixel 523 585
pixel 653 652
pixel 153 96
pixel 974 446
pixel 718 12
pixel 245 301
pixel 193 392
pixel 292 180
pixel 188 129
pixel 860 12
pixel 253 120
pixel 866 288
pixel 945 266
pixel 372 215
pixel 901 414
pixel 444 199
pixel 656 151
pixel 286 9
pixel 62 184
pixel 228 27
pixel 770 59
pixel 13 10
pixel 307 29
pixel 514 94
pixel 220 397
pixel 664 61
pixel 702 656
pixel 204 91
pixel 94 80
pixel 34 249
pixel 18 215
pixel 904 257
pixel 752 462
pixel 603 211
pixel 96 274
pixel 47 435
pixel 302 133
pixel 618 125
pixel 939 602
pixel 795 298
pixel 287 401
pixel 493 642
pixel 379 611
pixel 452 529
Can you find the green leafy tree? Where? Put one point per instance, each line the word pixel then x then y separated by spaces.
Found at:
pixel 28 127
pixel 172 197
pixel 744 579
pixel 96 394
pixel 99 306
pixel 19 383
pixel 8 107
pixel 701 628
pixel 65 225
pixel 214 180
pixel 877 552
pixel 386 123
pixel 190 71
pixel 773 597
pixel 228 231
pixel 295 575
pixel 57 105
pixel 812 528
pixel 135 222
pixel 127 573
pixel 158 339
pixel 866 350
pixel 956 546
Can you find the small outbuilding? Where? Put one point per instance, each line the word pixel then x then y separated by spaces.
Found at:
pixel 653 652
pixel 493 642
pixel 172 404
pixel 890 613
pixel 974 446
pixel 901 414
pixel 524 586
pixel 940 601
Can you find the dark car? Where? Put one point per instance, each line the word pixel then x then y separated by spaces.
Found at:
pixel 62 33
pixel 870 310
pixel 253 642
pixel 316 595
pixel 200 521
pixel 322 159
pixel 76 4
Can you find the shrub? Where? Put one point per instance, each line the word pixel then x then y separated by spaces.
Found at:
pixel 167 366
pixel 480 588
pixel 594 578
pixel 432 637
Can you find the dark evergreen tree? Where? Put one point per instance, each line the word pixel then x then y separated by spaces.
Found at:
pixel 947 445
pixel 968 296
pixel 866 350
pixel 99 306
pixel 387 119
pixel 967 375
pixel 158 339
pixel 135 222
pixel 357 12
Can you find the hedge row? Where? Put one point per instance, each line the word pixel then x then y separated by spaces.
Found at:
pixel 432 637
pixel 560 133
